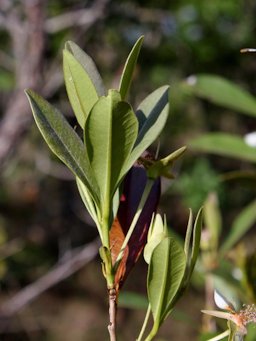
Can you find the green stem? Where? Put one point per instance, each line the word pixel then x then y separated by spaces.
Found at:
pixel 148 187
pixel 153 332
pixel 144 324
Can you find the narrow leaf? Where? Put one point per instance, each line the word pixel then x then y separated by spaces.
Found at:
pixel 244 221
pixel 196 239
pixel 152 115
pixel 110 133
pixel 62 140
pixel 224 144
pixel 89 203
pixel 129 67
pixel 88 65
pixel 222 92
pixel 188 236
pixel 81 91
pixel 165 274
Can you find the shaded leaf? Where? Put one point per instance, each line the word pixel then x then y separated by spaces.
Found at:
pixel 81 91
pixel 129 67
pixel 152 115
pixel 88 65
pixel 243 222
pixel 165 274
pixel 62 140
pixel 222 92
pixel 224 144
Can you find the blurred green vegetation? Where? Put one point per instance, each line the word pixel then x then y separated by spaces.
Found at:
pixel 40 210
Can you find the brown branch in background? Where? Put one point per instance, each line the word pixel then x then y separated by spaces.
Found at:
pixel 27 37
pixel 75 261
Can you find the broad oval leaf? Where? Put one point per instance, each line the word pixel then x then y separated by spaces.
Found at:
pixel 89 66
pixel 81 91
pixel 222 92
pixel 165 275
pixel 224 144
pixel 62 140
pixel 129 67
pixel 152 114
pixel 110 132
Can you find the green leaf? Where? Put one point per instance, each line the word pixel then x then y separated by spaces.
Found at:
pixel 243 222
pixel 188 236
pixel 158 231
pixel 161 167
pixel 129 67
pixel 88 65
pixel 110 133
pixel 89 203
pixel 62 140
pixel 212 219
pixel 165 274
pixel 222 92
pixel 81 91
pixel 224 144
pixel 152 115
pixel 196 240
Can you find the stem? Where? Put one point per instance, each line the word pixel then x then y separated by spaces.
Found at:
pixel 148 187
pixel 144 324
pixel 112 314
pixel 153 333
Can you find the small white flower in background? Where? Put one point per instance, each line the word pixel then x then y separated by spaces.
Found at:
pixel 240 319
pixel 191 80
pixel 250 139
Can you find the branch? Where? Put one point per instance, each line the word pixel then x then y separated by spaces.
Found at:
pixel 82 17
pixel 76 261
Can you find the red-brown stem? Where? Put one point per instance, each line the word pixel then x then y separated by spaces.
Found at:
pixel 112 314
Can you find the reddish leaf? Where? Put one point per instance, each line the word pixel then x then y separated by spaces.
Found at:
pixel 134 185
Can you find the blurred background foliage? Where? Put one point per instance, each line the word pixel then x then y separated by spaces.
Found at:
pixel 42 218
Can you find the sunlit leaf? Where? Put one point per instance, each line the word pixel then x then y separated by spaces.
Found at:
pixel 222 92
pixel 110 133
pixel 88 65
pixel 129 67
pixel 196 239
pixel 224 144
pixel 165 274
pixel 88 202
pixel 81 91
pixel 62 140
